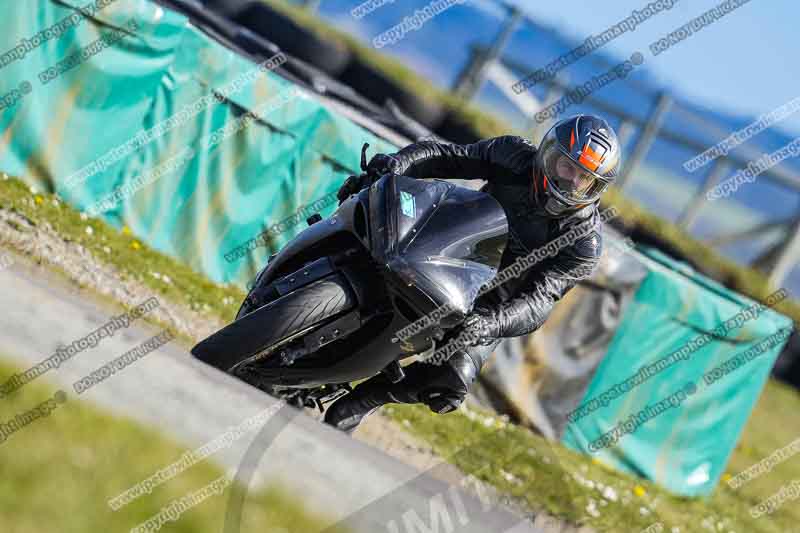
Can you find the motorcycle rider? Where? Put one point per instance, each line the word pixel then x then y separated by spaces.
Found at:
pixel 544 193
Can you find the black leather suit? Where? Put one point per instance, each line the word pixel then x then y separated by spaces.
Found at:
pixel 521 305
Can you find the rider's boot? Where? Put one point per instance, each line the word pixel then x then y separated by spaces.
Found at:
pixel 440 387
pixel 347 412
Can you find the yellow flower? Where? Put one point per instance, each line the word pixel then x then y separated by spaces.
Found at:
pixel 135 245
pixel 726 476
pixel 639 491
pixel 38 199
pixel 126 230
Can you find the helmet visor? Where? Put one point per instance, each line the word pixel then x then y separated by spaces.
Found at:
pixel 569 179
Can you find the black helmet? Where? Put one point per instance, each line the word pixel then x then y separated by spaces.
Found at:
pixel 577 159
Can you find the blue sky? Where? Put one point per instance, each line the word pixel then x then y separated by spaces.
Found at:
pixel 748 62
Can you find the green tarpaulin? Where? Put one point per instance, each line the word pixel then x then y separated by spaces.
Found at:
pixel 146 82
pixel 671 395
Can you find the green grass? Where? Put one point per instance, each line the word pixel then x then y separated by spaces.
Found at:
pixel 122 250
pixel 547 476
pixel 59 472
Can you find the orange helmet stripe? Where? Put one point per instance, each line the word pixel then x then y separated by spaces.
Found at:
pixel 590 158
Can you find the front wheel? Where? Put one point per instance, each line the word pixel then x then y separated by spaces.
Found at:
pixel 294 314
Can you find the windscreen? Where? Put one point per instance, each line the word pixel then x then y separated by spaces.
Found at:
pixel 449 239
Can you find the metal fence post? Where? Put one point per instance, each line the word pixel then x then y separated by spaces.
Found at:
pixel 473 75
pixel 786 257
pixel 625 132
pixel 690 213
pixel 651 128
pixel 554 93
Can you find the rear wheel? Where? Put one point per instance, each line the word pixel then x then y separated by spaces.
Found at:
pixel 256 334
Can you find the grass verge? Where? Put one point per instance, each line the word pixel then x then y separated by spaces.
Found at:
pixel 549 477
pixel 59 472
pixel 122 250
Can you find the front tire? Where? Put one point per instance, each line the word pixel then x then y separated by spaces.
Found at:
pixel 275 322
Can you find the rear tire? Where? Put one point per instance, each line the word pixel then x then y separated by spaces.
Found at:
pixel 276 321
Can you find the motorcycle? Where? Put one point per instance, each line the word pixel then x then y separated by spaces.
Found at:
pixel 326 309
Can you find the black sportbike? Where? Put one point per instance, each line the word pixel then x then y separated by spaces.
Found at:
pixel 326 309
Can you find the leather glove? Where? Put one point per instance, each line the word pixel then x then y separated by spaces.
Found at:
pixel 352 185
pixel 480 328
pixel 381 164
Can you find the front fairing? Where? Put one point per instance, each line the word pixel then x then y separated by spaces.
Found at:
pixel 438 239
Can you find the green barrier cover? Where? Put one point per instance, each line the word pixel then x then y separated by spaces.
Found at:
pixel 125 98
pixel 676 419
